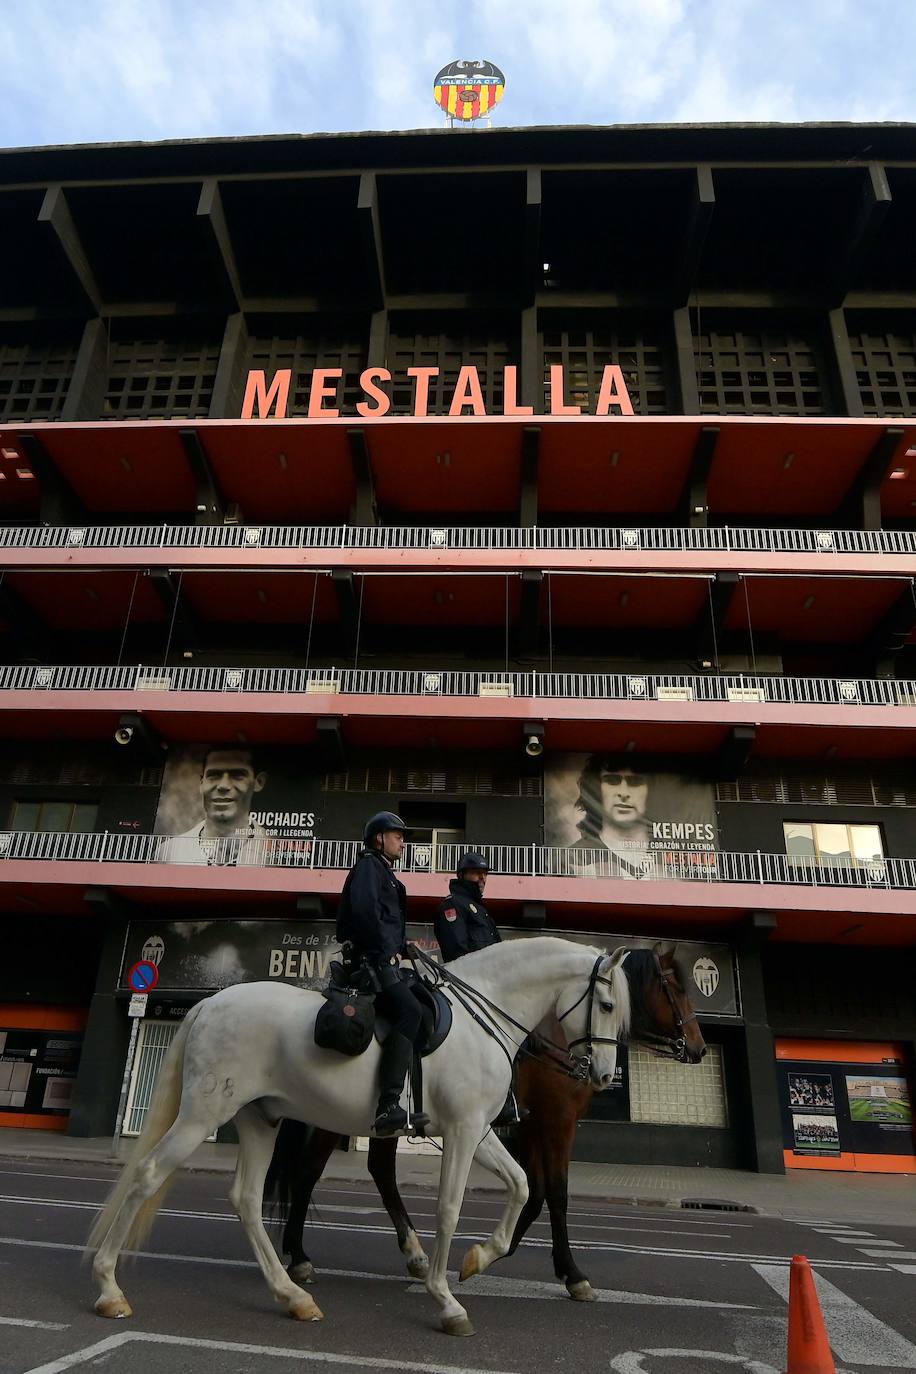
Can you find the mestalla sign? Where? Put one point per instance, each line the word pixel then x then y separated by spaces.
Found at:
pixel 264 400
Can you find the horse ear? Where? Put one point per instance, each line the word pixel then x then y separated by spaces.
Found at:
pixel 664 953
pixel 614 960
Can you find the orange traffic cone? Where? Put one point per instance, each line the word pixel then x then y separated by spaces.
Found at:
pixel 809 1348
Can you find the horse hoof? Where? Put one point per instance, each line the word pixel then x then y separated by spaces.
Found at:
pixel 305 1309
pixel 470 1264
pixel 457 1326
pixel 114 1307
pixel 302 1273
pixel 418 1266
pixel 581 1291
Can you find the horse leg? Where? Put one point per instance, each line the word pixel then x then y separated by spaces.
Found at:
pixel 493 1155
pixel 383 1154
pixel 319 1148
pixel 149 1175
pixel 256 1144
pixel 530 1159
pixel 457 1152
pixel 565 1267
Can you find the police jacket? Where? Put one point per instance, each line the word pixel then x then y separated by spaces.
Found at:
pixel 373 909
pixel 463 923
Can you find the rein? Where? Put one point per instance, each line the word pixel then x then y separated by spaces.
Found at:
pixel 558 1057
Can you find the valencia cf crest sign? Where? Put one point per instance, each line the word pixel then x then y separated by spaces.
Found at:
pixel 469 89
pixel 706 975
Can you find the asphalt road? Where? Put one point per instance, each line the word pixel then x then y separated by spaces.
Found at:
pixel 680 1292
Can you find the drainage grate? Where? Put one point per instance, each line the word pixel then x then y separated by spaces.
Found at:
pixel 715 1204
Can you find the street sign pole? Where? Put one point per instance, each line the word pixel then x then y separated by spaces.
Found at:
pixel 125 1084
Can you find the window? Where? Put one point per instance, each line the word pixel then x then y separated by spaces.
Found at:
pixel 833 846
pixel 76 818
pixel 660 1090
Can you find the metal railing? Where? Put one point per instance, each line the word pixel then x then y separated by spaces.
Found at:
pixel 666 688
pixel 636 539
pixel 540 861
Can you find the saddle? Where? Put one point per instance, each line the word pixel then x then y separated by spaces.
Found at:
pixel 436 1010
pixel 349 1020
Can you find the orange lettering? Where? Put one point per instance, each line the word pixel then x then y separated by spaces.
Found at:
pixel 256 393
pixel 367 381
pixel 557 406
pixel 320 392
pixel 613 392
pixel 467 393
pixel 510 394
pixel 424 376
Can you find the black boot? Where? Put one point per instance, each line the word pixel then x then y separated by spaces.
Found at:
pixel 390 1116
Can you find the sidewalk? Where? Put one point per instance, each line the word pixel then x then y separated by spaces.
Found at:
pixel 797 1195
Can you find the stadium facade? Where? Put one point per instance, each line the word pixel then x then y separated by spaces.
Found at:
pixel 553 487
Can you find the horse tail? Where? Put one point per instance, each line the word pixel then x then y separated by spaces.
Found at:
pixel 160 1116
pixel 286 1167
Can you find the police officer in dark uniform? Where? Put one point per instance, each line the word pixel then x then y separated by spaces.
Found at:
pixel 371 925
pixel 462 922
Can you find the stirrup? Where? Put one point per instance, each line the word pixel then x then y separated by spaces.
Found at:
pixel 390 1119
pixel 418 1123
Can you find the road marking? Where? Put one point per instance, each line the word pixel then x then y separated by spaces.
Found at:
pixel 855 1335
pixel 104 1347
pixel 857 1240
pixel 658 1252
pixel 839 1233
pixel 486 1286
pixel 41 1326
pixel 905 1268
pixel 381 1228
pixel 631 1361
pixel 66 1178
pixel 897 1255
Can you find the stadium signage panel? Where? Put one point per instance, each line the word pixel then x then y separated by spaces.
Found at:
pixel 263 401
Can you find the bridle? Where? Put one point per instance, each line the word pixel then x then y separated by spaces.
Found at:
pixel 583 1063
pixel 671 1048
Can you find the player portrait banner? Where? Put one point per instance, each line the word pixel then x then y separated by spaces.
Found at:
pixel 617 819
pixel 232 804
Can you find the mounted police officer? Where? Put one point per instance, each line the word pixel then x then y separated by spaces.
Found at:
pixel 462 922
pixel 371 924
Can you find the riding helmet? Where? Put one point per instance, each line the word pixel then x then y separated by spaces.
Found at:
pixel 472 859
pixel 379 823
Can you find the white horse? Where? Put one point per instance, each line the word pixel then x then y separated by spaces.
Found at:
pixel 248 1054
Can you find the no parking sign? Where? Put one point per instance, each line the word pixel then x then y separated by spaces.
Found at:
pixel 143 976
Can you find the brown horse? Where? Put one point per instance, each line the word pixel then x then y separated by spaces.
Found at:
pixel 554 1101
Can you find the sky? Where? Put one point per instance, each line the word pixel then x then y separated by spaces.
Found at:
pixel 82 71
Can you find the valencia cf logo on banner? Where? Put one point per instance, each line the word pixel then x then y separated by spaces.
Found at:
pixel 469 89
pixel 706 975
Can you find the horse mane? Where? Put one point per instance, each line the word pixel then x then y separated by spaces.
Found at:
pixel 640 972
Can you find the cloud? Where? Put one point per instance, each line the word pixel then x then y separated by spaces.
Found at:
pixel 128 69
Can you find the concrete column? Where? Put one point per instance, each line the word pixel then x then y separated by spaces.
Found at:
pixel 98 1082
pixel 760 1056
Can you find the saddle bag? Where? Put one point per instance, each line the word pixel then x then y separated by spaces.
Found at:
pixel 346 1021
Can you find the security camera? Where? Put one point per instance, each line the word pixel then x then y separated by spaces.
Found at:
pixel 533 735
pixel 124 734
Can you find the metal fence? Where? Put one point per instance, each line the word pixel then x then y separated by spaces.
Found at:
pixel 542 861
pixel 741 689
pixel 636 539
